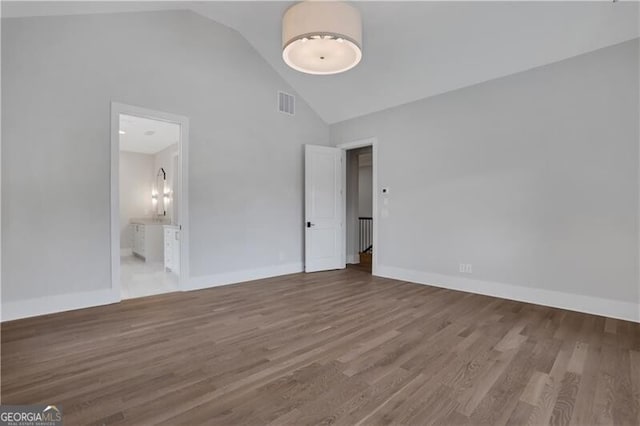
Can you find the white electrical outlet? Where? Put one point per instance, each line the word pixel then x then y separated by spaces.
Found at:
pixel 465 268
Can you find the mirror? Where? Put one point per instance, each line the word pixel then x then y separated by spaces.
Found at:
pixel 160 191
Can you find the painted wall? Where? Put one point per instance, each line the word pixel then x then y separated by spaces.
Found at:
pixel 136 178
pixel 59 76
pixel 531 178
pixel 365 186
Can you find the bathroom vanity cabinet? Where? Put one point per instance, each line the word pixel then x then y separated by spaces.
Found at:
pixel 147 241
pixel 172 248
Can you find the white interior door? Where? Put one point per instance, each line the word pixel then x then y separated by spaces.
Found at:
pixel 323 208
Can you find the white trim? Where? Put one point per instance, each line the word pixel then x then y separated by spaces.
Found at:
pixel 573 302
pixel 126 252
pixel 183 205
pixel 343 219
pixel 373 143
pixel 638 206
pixel 1 308
pixel 57 303
pixel 209 281
pixel 68 302
pixel 115 201
pixel 353 259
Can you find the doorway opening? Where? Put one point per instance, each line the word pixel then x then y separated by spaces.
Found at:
pixel 359 208
pixel 148 201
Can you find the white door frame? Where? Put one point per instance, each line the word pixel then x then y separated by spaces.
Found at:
pixel 373 143
pixel 183 200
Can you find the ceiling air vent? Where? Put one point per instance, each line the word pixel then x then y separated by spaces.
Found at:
pixel 286 103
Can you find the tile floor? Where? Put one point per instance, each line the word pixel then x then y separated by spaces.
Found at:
pixel 139 278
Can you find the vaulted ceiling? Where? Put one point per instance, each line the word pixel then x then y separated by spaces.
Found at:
pixel 412 50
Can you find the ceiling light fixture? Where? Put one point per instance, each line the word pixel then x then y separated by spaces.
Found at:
pixel 322 37
pixel 122 132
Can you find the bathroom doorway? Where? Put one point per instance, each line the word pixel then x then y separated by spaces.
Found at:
pixel 148 201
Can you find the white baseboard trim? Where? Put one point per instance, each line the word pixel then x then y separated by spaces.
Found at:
pixel 57 303
pixel 574 302
pixel 126 252
pixel 68 302
pixel 353 259
pixel 592 305
pixel 198 283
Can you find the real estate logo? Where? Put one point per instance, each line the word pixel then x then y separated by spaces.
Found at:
pixel 30 415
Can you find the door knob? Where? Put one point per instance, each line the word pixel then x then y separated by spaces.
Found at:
pixel 309 224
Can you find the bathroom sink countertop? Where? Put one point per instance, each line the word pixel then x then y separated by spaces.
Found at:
pixel 149 221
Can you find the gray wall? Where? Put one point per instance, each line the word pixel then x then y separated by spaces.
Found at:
pixel 531 178
pixel 365 191
pixel 59 75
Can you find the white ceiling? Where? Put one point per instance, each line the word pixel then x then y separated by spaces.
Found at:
pixel 146 136
pixel 412 50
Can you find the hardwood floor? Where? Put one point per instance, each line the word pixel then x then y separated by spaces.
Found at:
pixel 360 267
pixel 338 347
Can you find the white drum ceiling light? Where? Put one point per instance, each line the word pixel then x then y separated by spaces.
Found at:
pixel 322 37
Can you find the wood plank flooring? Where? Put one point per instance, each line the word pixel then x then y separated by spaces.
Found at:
pixel 337 347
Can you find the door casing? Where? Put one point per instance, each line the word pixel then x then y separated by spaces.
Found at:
pixel 183 200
